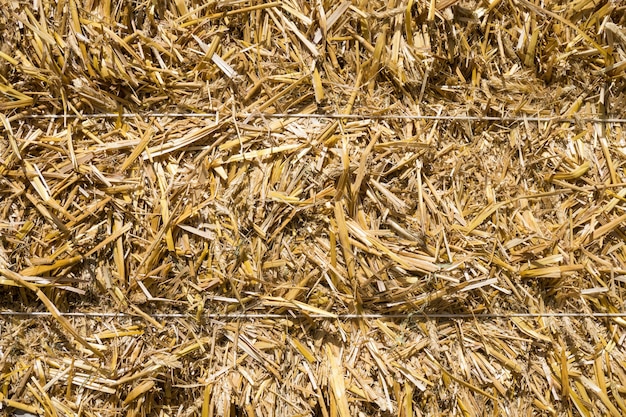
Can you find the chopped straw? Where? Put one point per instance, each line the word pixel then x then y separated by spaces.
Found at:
pixel 405 207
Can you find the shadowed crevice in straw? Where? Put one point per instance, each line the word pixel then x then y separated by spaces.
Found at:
pixel 312 208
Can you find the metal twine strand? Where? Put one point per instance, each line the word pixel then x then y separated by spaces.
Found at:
pixel 536 119
pixel 329 316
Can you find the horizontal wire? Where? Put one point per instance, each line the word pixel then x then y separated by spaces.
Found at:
pixel 439 117
pixel 536 119
pixel 254 316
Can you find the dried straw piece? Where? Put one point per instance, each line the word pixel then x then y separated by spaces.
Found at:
pixel 138 391
pixel 337 385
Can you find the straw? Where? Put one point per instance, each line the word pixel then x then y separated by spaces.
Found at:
pixel 312 208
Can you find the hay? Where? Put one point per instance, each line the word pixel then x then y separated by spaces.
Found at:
pixel 179 191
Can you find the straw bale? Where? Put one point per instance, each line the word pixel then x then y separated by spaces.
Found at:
pixel 322 208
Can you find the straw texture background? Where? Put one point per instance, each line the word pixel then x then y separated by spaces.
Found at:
pixel 308 263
